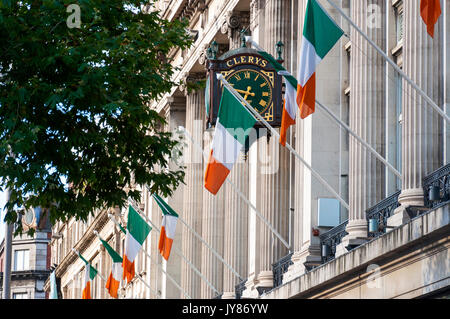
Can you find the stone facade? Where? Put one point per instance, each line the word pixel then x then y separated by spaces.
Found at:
pixel 361 89
pixel 30 265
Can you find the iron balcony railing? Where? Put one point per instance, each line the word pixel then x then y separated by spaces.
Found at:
pixel 239 289
pixel 279 268
pixel 436 187
pixel 330 239
pixel 378 215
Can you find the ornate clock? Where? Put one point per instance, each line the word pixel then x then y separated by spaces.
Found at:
pixel 253 77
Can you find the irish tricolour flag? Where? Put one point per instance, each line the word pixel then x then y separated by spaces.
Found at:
pixel 113 282
pixel 89 275
pixel 233 126
pixel 290 105
pixel 169 225
pixel 320 34
pixel 137 232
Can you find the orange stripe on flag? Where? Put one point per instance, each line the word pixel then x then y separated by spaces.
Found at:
pixel 112 285
pixel 306 97
pixel 215 174
pixel 165 244
pixel 286 121
pixel 128 269
pixel 86 291
pixel 430 10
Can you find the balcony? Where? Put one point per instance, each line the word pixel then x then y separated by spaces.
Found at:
pixel 239 289
pixel 330 240
pixel 378 215
pixel 436 188
pixel 279 268
pixel 436 194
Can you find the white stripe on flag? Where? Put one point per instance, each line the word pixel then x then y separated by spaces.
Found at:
pixel 290 97
pixel 117 271
pixel 308 62
pixel 170 224
pixel 225 147
pixel 132 247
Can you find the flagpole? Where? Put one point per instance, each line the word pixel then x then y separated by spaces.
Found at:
pixel 334 117
pixel 392 63
pixel 277 135
pixel 182 256
pixel 98 273
pixel 139 276
pixel 158 265
pixel 201 238
pixel 243 197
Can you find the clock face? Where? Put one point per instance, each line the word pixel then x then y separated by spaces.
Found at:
pixel 29 216
pixel 254 87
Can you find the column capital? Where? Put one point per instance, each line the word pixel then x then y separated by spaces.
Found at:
pixel 234 21
pixel 190 78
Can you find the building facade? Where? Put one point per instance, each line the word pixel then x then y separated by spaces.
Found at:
pixel 390 241
pixel 30 265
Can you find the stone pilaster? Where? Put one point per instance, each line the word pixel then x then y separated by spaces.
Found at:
pixel 317 140
pixel 175 114
pixel 422 144
pixel 367 120
pixel 213 233
pixel 236 225
pixel 193 195
pixel 274 196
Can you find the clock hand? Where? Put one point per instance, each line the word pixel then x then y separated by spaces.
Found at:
pixel 245 92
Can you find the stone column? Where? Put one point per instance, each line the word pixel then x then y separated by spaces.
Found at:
pixel 193 191
pixel 236 210
pixel 175 114
pixel 317 140
pixel 236 226
pixel 422 140
pixel 367 120
pixel 274 159
pixel 446 10
pixel 213 233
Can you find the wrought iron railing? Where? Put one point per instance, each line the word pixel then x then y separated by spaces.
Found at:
pixel 279 268
pixel 378 215
pixel 330 239
pixel 239 289
pixel 436 187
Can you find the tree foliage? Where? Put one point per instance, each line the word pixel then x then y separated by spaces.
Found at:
pixel 76 131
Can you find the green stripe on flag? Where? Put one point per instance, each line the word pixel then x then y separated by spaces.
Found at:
pixel 114 255
pixel 166 209
pixel 233 115
pixel 82 258
pixel 278 67
pixel 92 272
pixel 319 29
pixel 207 97
pixel 122 229
pixel 137 226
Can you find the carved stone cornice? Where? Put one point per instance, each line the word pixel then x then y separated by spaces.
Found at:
pixel 234 21
pixel 99 222
pixel 191 7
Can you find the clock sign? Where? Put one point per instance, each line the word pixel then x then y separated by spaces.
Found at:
pixel 253 77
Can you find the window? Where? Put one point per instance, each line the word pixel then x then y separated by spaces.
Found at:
pixel 399 87
pixel 20 295
pixel 21 260
pixel 399 22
